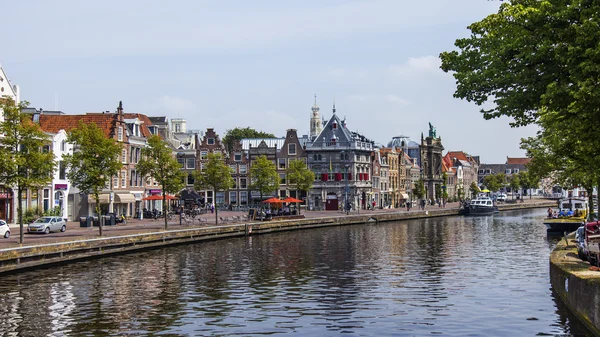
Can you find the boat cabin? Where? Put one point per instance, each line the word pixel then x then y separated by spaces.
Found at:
pixel 573 207
pixel 482 202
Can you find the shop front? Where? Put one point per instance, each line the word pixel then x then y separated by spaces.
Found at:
pixel 6 204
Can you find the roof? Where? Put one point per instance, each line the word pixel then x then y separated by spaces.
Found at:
pixel 457 155
pixel 523 161
pixel 55 123
pixel 271 142
pixel 146 121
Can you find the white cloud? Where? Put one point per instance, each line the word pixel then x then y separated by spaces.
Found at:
pixel 417 66
pixel 396 99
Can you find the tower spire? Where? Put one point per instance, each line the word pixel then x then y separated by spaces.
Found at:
pixel 334 105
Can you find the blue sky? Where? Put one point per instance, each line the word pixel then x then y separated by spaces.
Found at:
pixel 226 64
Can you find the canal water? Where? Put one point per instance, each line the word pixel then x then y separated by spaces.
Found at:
pixel 453 276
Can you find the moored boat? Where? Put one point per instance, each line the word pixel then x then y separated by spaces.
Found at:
pixel 482 206
pixel 572 213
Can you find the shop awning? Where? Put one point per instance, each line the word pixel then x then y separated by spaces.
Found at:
pixel 103 198
pixel 124 198
pixel 403 196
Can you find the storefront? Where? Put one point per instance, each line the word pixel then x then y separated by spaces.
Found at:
pixel 6 204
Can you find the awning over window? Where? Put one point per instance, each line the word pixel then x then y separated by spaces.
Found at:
pixel 104 198
pixel 124 198
pixel 403 196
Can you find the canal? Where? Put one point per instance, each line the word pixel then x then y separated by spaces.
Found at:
pixel 453 276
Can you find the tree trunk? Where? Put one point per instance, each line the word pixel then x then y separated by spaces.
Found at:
pixel 97 197
pixel 216 208
pixel 164 197
pixel 20 216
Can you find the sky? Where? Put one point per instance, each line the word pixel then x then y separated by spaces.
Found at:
pixel 224 64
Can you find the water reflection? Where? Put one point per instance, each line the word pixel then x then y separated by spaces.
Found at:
pixel 450 276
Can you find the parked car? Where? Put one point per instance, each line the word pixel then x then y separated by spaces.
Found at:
pixel 47 224
pixel 580 242
pixel 501 197
pixel 4 229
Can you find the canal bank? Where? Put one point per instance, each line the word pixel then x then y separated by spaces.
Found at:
pixel 15 259
pixel 576 284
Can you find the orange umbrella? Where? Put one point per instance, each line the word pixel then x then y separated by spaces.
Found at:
pixel 159 197
pixel 273 200
pixel 290 199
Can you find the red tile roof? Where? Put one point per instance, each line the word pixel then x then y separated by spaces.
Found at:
pixel 457 155
pixel 523 161
pixel 55 123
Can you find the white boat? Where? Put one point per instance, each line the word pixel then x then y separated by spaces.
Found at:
pixel 482 206
pixel 572 213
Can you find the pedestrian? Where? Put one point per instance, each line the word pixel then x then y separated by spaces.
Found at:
pixel 408 206
pixel 444 204
pixel 212 208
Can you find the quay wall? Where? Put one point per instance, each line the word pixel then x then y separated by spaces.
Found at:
pixel 28 257
pixel 575 284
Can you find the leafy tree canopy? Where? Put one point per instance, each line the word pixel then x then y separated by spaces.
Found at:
pixel 215 176
pixel 237 134
pixel 263 176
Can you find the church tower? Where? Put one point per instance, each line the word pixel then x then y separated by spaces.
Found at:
pixel 315 122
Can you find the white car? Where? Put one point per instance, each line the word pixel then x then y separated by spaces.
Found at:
pixel 47 224
pixel 4 229
pixel 501 197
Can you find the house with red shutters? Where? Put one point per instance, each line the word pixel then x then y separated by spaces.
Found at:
pixel 341 162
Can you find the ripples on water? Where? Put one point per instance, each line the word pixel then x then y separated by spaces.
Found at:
pixel 456 276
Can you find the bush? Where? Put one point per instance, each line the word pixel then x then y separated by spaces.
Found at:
pixel 31 214
pixel 56 211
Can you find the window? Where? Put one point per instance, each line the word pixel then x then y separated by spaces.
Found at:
pixel 46 148
pixel 210 141
pixel 488 171
pixel 233 197
pixel 120 134
pixel 132 178
pixel 507 171
pixel 190 179
pixel 233 168
pixel 237 156
pixel 243 183
pixel 46 199
pixel 220 198
pixel 181 162
pixel 281 163
pixel 282 193
pixel 203 154
pixel 243 168
pixel 481 171
pixel 123 179
pixel 190 163
pixel 243 198
pixel 515 170
pixel 292 149
pixel 62 170
pixel 282 178
pixel 63 146
pixel 235 184
pixel 319 157
pixel 116 181
pixel 124 156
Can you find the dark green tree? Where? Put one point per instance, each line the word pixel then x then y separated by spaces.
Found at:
pixel 514 183
pixel 300 176
pixel 474 189
pixel 263 176
pixel 94 161
pixel 158 162
pixel 494 182
pixel 23 163
pixel 237 134
pixel 216 176
pixel 419 190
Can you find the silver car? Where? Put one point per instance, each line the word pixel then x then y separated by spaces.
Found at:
pixel 47 224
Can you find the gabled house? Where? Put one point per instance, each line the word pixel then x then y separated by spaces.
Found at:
pixel 341 162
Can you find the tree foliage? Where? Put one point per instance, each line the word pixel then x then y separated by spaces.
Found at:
pixel 237 134
pixel 474 189
pixel 95 160
pixel 216 176
pixel 159 163
pixel 23 163
pixel 514 183
pixel 299 175
pixel 419 190
pixel 538 62
pixel 263 176
pixel 494 182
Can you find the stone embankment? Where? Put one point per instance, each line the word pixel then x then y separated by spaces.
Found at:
pixel 18 258
pixel 576 284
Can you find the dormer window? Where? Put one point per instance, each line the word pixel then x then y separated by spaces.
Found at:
pixel 334 125
pixel 120 134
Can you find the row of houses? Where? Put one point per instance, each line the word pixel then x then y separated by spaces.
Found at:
pixel 349 168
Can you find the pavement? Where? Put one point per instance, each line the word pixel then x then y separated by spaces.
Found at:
pixel 136 226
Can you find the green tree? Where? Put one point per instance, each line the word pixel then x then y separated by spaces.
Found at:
pixel 536 62
pixel 159 163
pixel 474 189
pixel 94 161
pixel 419 189
pixel 514 184
pixel 216 176
pixel 445 186
pixel 237 134
pixel 23 162
pixel 263 176
pixel 494 182
pixel 300 176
